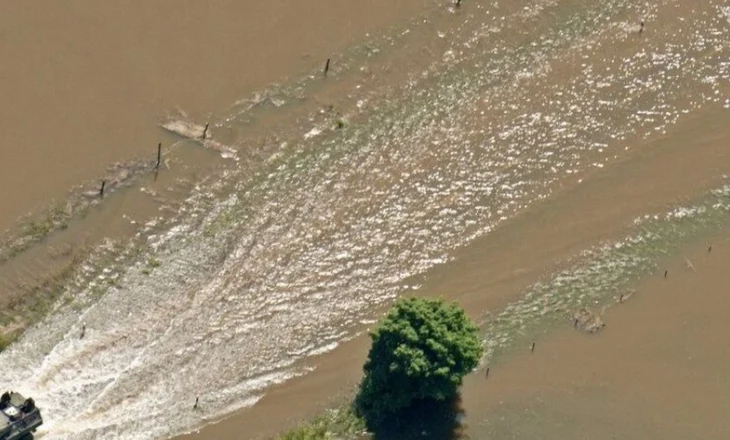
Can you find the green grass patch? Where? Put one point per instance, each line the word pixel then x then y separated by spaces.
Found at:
pixel 339 423
pixel 4 342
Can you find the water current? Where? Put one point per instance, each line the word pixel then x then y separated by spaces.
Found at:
pixel 263 268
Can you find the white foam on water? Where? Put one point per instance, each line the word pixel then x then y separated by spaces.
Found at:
pixel 287 267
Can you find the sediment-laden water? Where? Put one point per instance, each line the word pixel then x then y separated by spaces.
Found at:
pixel 266 265
pixel 604 274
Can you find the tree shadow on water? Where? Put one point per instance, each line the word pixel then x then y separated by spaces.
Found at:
pixel 424 420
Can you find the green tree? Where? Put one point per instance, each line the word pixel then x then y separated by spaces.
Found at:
pixel 421 350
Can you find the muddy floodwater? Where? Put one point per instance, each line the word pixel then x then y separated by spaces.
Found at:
pixel 84 84
pixel 542 162
pixel 658 367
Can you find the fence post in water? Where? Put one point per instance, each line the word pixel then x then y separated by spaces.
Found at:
pixel 486 376
pixel 666 272
pixel 458 3
pixel 532 350
pixel 205 131
pixel 101 191
pixel 326 67
pixel 159 155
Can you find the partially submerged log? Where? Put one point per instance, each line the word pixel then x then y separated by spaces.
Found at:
pixel 194 132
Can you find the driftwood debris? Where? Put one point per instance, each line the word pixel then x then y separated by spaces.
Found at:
pixel 196 132
pixel 587 320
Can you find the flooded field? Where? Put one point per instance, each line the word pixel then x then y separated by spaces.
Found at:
pixel 482 153
pixel 84 84
pixel 658 366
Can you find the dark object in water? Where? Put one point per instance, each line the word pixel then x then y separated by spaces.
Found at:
pixel 159 155
pixel 326 67
pixel 19 417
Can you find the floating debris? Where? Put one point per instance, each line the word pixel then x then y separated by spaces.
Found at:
pixel 192 131
pixel 588 320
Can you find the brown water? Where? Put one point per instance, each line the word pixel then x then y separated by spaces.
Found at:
pixel 658 370
pixel 84 83
pixel 90 83
pixel 482 150
pixel 497 269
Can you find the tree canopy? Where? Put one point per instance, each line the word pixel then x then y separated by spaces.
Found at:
pixel 421 350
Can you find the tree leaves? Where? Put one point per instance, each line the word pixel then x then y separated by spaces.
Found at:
pixel 421 350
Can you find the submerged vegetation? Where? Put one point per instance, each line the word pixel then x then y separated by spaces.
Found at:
pixel 38 299
pixel 82 273
pixel 34 229
pixel 38 226
pixel 4 342
pixel 337 423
